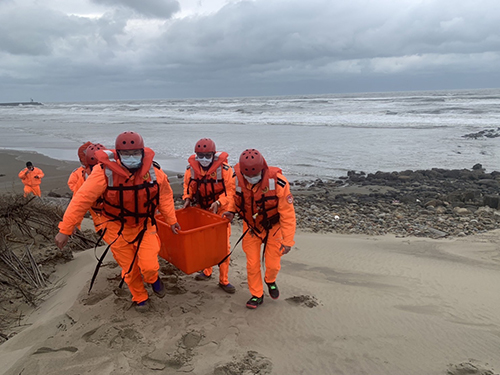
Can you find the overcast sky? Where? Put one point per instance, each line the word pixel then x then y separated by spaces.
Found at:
pixel 84 50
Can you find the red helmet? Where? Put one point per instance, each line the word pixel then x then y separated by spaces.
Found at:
pixel 251 162
pixel 81 152
pixel 91 159
pixel 205 145
pixel 129 141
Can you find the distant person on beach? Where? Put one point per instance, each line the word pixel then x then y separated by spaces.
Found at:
pixel 208 183
pixel 133 188
pixel 263 200
pixel 31 177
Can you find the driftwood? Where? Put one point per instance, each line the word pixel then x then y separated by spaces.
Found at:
pixel 28 253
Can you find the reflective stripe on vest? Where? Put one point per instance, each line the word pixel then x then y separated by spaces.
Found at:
pixel 109 172
pixel 238 187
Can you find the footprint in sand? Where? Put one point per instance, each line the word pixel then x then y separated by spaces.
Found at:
pixel 191 339
pixel 116 337
pixel 94 299
pixel 303 300
pixel 251 363
pixel 174 285
pixel 67 321
pixel 45 350
pixel 469 368
pixel 158 360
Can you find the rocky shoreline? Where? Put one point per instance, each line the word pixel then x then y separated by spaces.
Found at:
pixel 432 203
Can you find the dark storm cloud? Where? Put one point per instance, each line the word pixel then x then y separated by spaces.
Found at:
pixel 148 8
pixel 251 47
pixel 254 32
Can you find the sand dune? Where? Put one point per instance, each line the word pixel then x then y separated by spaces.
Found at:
pixel 349 305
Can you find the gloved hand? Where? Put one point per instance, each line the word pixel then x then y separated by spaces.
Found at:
pixel 187 203
pixel 228 215
pixel 214 207
pixel 61 240
pixel 175 228
pixel 285 249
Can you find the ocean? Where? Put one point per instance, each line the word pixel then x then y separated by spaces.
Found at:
pixel 308 136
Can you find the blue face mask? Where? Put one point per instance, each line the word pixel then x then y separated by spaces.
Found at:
pixel 131 161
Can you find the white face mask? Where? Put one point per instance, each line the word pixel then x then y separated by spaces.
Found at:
pixel 131 161
pixel 253 180
pixel 204 162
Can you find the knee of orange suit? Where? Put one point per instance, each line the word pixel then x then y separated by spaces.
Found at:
pixel 150 276
pixel 149 269
pixel 148 256
pixel 253 266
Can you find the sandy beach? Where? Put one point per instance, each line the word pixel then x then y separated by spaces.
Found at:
pixel 349 304
pixel 56 173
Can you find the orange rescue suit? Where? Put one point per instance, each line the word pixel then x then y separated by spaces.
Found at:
pixel 75 182
pixel 204 187
pixel 31 180
pixel 122 230
pixel 77 178
pixel 267 209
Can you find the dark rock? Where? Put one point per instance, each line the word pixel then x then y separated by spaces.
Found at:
pixel 492 201
pixel 433 203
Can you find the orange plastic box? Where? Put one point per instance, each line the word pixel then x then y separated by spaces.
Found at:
pixel 201 243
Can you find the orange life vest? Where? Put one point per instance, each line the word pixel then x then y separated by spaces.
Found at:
pixel 83 174
pixel 130 198
pixel 207 186
pixel 258 209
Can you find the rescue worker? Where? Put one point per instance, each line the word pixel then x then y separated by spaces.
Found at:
pixel 133 187
pixel 90 162
pixel 31 177
pixel 208 181
pixel 79 175
pixel 263 200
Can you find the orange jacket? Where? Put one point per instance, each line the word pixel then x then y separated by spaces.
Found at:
pixel 207 186
pixel 97 185
pixel 259 204
pixel 31 178
pixel 77 178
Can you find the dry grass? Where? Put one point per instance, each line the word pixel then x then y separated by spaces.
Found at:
pixel 28 254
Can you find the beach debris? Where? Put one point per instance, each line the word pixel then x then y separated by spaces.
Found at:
pixel 28 254
pixel 25 268
pixel 303 300
pixel 486 133
pixel 469 368
pixel 251 363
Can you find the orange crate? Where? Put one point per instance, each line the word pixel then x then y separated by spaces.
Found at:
pixel 202 241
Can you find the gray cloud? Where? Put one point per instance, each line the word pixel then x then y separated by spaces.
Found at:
pixel 249 48
pixel 148 8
